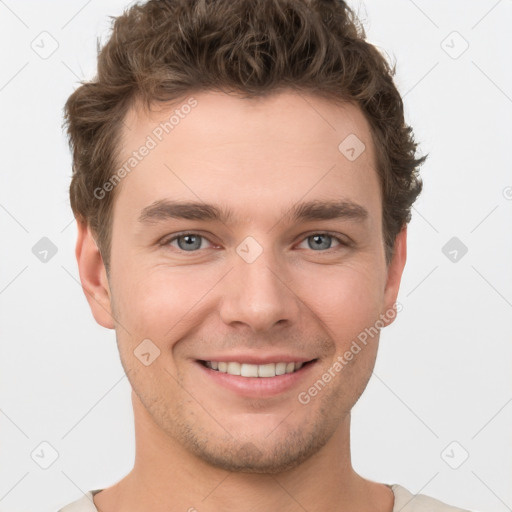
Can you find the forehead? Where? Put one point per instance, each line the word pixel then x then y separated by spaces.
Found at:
pixel 212 145
pixel 214 116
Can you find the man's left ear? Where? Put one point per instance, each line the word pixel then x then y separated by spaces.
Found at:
pixel 395 270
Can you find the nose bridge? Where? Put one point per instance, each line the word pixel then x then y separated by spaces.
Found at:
pixel 256 293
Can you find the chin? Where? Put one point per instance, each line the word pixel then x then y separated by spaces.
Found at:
pixel 263 456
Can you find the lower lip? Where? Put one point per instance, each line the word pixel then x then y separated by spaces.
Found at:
pixel 257 387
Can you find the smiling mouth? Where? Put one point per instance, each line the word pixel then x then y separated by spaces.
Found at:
pixel 255 370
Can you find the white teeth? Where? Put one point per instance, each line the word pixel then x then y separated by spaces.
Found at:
pixel 267 370
pixel 280 368
pixel 254 370
pixel 233 368
pixel 249 370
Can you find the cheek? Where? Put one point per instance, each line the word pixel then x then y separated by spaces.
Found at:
pixel 163 303
pixel 159 303
pixel 344 298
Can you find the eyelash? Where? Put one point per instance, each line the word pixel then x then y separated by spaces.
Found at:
pixel 342 243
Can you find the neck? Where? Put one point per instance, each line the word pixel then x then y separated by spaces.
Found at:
pixel 167 477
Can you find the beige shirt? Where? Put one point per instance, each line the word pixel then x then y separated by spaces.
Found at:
pixel 404 502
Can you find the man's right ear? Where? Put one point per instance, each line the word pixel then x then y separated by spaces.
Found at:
pixel 93 276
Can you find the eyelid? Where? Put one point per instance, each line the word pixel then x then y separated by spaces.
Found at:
pixel 344 241
pixel 166 240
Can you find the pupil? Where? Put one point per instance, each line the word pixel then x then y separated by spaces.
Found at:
pixel 318 241
pixel 190 242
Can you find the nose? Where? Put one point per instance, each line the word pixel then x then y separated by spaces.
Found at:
pixel 259 294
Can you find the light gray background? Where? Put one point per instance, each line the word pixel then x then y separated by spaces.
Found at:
pixel 443 371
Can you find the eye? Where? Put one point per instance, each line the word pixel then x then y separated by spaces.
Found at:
pixel 193 242
pixel 322 241
pixel 189 242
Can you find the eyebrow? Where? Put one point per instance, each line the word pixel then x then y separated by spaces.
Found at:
pixel 307 211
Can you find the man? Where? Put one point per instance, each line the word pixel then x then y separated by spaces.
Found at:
pixel 242 182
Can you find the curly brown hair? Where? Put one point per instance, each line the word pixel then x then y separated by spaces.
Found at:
pixel 163 50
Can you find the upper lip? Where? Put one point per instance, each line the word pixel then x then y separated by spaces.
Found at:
pixel 258 359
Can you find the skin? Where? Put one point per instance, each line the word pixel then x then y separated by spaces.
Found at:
pixel 198 445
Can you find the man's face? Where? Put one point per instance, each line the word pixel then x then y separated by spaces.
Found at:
pixel 264 285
